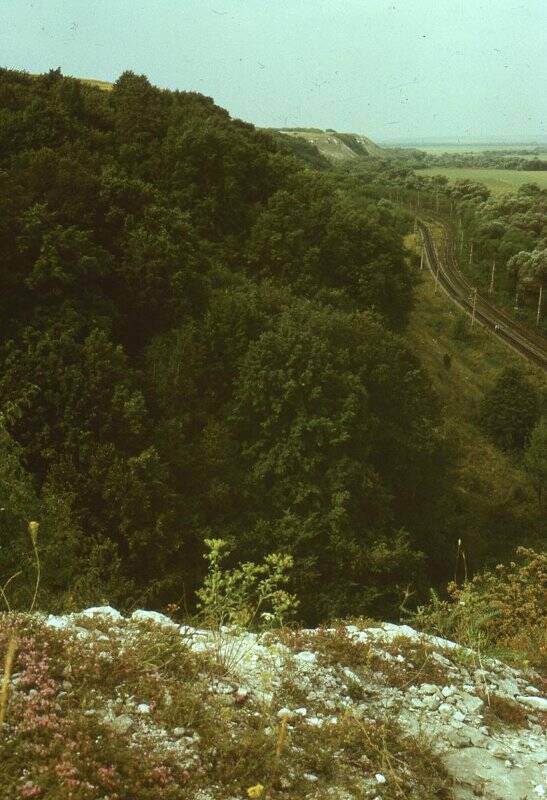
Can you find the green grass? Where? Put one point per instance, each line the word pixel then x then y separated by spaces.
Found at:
pixel 475 361
pixel 542 154
pixel 498 181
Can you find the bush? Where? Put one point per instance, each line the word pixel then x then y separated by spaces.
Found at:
pixel 499 611
pixel 509 410
pixel 461 331
pixel 249 594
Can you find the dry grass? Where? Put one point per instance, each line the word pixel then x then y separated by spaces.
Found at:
pixel 411 770
pixel 11 649
pixel 502 709
pixel 105 86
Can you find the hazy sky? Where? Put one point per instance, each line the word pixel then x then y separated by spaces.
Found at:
pixel 391 69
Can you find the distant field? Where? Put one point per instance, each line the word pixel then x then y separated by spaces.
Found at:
pixel 499 181
pixel 542 154
pixel 438 149
pixel 104 85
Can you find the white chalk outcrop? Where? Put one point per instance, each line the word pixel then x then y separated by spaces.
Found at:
pixel 486 756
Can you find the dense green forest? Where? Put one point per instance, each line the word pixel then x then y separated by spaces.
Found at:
pixel 201 335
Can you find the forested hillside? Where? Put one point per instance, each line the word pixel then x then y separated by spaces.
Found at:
pixel 201 337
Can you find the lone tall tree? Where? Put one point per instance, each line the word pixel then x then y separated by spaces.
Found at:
pixel 509 410
pixel 530 269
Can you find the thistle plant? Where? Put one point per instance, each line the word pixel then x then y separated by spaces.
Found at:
pixel 33 532
pixel 11 650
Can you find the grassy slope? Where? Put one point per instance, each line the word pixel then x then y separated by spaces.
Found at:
pixel 104 85
pixel 331 146
pixel 497 180
pixel 475 363
pixel 491 480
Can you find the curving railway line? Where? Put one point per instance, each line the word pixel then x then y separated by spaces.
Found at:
pixel 448 275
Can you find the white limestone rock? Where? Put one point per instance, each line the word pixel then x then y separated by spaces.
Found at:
pixel 102 611
pixel 537 703
pixel 153 616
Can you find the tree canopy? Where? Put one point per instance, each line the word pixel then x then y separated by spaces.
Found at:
pixel 201 337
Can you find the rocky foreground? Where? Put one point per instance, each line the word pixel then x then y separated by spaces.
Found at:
pixel 104 707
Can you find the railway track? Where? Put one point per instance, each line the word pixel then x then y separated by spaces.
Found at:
pixel 450 278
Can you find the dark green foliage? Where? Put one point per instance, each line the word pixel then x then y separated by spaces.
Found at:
pixel 330 469
pixel 496 159
pixel 301 149
pixel 535 458
pixel 353 143
pixel 308 238
pixel 76 568
pixel 197 338
pixel 461 328
pixel 510 409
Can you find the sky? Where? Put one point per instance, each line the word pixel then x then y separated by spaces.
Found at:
pixel 394 70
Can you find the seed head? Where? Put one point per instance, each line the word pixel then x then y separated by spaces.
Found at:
pixel 33 530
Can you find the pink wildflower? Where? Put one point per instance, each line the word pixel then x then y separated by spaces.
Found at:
pixel 29 789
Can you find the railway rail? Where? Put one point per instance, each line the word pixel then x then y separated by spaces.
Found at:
pixel 454 283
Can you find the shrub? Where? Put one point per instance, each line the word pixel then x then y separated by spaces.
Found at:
pixel 461 331
pixel 510 410
pixel 250 594
pixel 502 610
